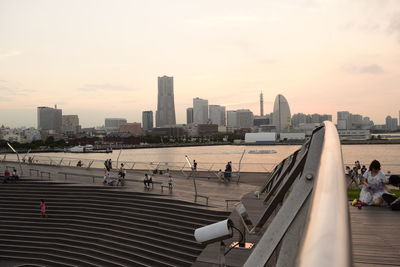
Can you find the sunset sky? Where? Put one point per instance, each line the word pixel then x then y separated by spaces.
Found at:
pixel 101 58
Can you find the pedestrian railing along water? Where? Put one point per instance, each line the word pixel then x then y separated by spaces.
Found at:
pixel 305 221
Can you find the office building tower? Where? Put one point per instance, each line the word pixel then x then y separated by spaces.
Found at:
pixel 244 118
pixel 165 114
pixel 231 118
pixel 391 123
pixel 281 117
pixel 70 124
pixel 200 111
pixel 112 124
pixel 147 120
pixel 343 120
pixel 49 119
pixel 189 115
pixel 261 104
pixel 217 115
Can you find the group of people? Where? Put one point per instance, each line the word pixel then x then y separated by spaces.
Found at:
pixel 374 189
pixel 120 180
pixel 10 176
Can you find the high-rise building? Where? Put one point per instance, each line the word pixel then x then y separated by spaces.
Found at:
pixel 189 115
pixel 343 120
pixel 165 114
pixel 244 118
pixel 217 115
pixel 261 104
pixel 391 123
pixel 49 119
pixel 200 111
pixel 231 118
pixel 281 118
pixel 147 120
pixel 112 124
pixel 70 124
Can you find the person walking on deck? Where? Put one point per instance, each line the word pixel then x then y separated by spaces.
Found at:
pixel 43 208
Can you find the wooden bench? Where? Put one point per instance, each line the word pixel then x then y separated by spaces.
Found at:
pixel 48 174
pixel 231 200
pixel 196 196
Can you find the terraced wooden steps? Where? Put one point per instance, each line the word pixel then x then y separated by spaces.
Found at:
pixel 97 226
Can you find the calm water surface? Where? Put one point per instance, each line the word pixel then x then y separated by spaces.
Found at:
pixel 215 157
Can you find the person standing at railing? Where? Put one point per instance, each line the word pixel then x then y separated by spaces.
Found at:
pixel 374 185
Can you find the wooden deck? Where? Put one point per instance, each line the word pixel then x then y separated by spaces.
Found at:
pixel 375 230
pixel 375 236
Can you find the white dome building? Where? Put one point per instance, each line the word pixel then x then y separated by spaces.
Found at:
pixel 281 118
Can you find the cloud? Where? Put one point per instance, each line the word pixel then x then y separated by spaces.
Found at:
pixel 367 69
pixel 11 53
pixel 394 26
pixel 105 87
pixel 373 69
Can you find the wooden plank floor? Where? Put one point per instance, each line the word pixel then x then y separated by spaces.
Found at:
pixel 375 236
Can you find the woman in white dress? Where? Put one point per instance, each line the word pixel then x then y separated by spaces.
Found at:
pixel 374 185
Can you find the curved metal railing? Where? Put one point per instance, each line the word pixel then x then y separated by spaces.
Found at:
pixel 327 238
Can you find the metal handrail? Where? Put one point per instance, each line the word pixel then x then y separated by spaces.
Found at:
pixel 327 238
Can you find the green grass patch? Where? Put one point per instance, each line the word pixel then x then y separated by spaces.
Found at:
pixel 355 193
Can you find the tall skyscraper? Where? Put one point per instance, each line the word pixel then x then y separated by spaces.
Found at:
pixel 70 124
pixel 217 115
pixel 200 111
pixel 281 118
pixel 261 104
pixel 189 115
pixel 49 119
pixel 165 114
pixel 147 120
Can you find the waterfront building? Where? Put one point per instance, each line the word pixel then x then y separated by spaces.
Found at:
pixel 260 137
pixel 134 128
pixel 349 121
pixel 173 131
pixel 70 124
pixel 203 130
pixel 147 120
pixel 189 115
pixel 261 104
pixel 217 115
pixel 165 114
pixel 354 134
pixel 49 119
pixel 391 123
pixel 112 124
pixel 281 118
pixel 200 111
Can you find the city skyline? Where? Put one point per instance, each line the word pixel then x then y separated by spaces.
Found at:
pixel 226 55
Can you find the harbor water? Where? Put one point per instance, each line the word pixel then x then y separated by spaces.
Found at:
pixel 216 157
